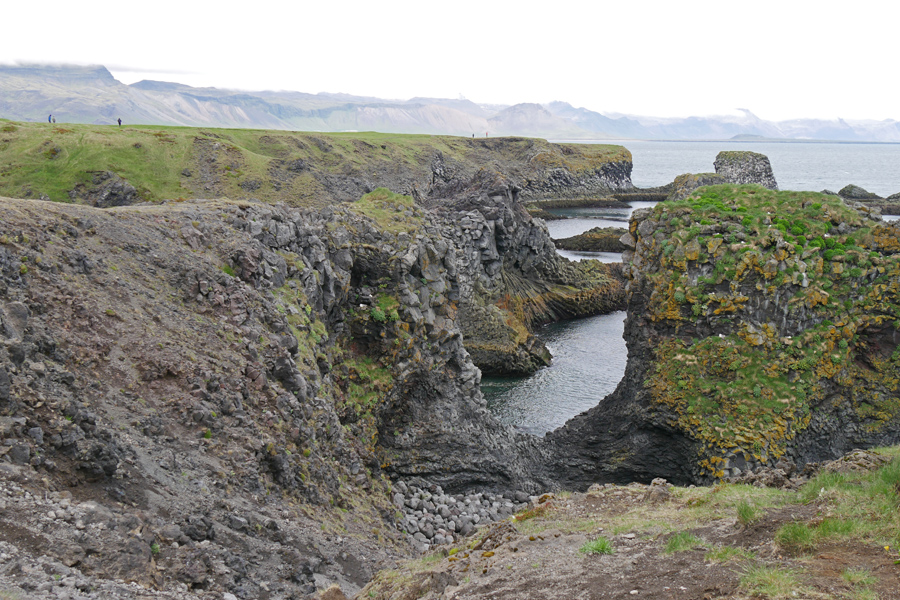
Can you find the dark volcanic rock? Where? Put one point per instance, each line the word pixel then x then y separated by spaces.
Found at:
pixel 854 192
pixel 508 278
pixel 598 239
pixel 737 167
pixel 742 167
pixel 107 189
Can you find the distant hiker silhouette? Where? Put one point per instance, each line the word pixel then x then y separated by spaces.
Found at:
pixel 54 119
pixel 120 122
pixel 50 119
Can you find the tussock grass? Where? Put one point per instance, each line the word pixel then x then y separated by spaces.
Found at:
pixel 747 513
pixel 722 554
pixel 795 537
pixel 601 545
pixel 772 582
pixel 862 577
pixel 682 541
pixel 864 506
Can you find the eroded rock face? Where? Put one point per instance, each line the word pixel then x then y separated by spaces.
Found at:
pixel 220 363
pixel 737 167
pixel 509 277
pixel 106 190
pixel 742 167
pixel 769 332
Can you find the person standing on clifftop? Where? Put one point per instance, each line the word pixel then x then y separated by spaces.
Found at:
pixel 50 119
pixel 120 122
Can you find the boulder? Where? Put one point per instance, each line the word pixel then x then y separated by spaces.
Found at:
pixel 742 167
pixel 854 192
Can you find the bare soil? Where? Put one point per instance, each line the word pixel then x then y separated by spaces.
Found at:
pixel 519 560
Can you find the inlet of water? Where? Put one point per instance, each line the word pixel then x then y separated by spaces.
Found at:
pixel 588 362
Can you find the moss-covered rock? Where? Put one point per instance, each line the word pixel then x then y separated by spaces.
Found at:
pixel 854 192
pixel 598 239
pixel 761 325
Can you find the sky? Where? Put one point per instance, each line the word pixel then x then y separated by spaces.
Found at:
pixel 779 59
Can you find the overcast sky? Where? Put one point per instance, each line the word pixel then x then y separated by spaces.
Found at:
pixel 780 59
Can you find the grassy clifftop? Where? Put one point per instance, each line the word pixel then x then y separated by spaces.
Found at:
pixel 61 162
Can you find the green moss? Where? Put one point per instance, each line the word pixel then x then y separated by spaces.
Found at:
pixel 750 389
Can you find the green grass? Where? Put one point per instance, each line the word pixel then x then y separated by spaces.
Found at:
pixel 393 212
pixel 795 537
pixel 681 542
pixel 747 513
pixel 601 545
pixel 860 577
pixel 722 554
pixel 51 160
pixel 771 582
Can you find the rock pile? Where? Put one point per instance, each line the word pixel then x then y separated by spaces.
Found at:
pixel 432 518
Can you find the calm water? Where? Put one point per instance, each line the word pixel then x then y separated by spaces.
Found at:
pixel 588 362
pixel 589 354
pixel 797 166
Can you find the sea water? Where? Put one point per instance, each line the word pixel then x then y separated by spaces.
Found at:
pixel 796 165
pixel 589 354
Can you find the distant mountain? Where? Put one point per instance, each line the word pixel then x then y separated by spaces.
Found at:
pixel 604 126
pixel 92 95
pixel 533 120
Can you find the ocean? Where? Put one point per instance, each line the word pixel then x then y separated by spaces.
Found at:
pixel 802 166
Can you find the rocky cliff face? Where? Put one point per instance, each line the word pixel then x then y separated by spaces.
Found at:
pixel 762 326
pixel 741 168
pixel 510 279
pixel 237 380
pixel 736 167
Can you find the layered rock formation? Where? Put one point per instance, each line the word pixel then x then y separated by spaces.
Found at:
pixel 736 167
pixel 243 375
pixel 510 278
pixel 761 325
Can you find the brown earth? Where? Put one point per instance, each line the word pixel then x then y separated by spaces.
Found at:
pixel 539 558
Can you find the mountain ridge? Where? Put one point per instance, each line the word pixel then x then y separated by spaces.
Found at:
pixel 91 94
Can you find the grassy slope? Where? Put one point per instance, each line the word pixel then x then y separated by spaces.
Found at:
pixel 42 159
pixel 835 537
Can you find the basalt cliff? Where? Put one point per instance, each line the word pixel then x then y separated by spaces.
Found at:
pixel 214 396
pixel 762 327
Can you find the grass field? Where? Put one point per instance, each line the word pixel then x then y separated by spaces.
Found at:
pixel 51 160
